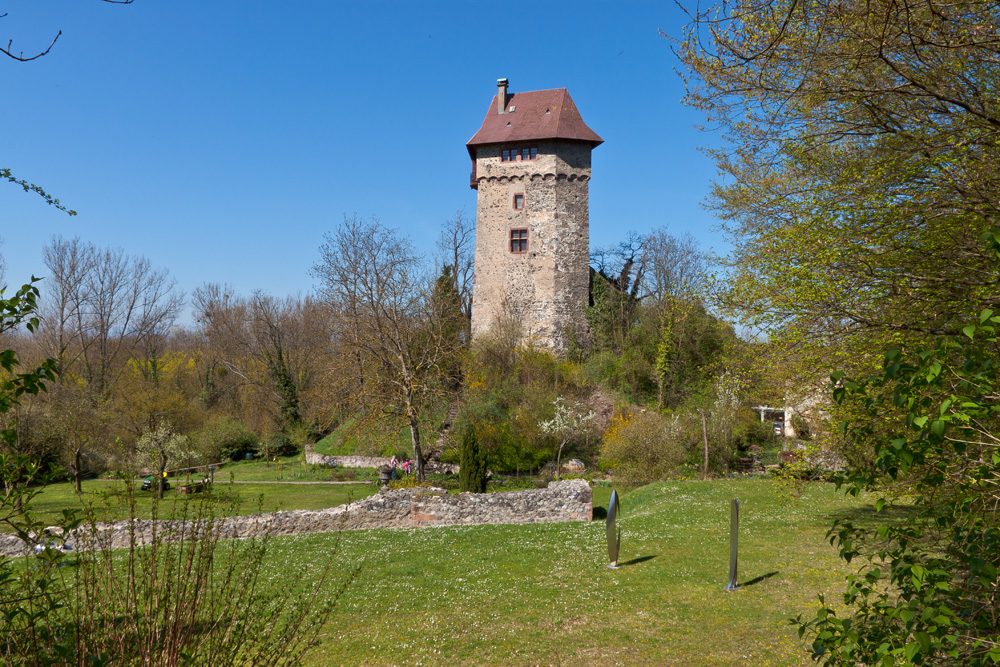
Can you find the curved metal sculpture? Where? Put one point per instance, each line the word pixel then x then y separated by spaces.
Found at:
pixel 614 533
pixel 734 531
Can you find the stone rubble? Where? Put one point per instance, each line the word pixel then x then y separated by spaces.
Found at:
pixel 569 500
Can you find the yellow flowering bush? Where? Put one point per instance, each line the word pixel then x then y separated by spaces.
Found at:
pixel 642 447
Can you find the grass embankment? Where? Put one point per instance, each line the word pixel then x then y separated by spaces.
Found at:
pixel 365 438
pixel 541 595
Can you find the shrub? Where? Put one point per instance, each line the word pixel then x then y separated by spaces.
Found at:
pixel 642 448
pixel 279 444
pixel 472 474
pixel 187 597
pixel 225 440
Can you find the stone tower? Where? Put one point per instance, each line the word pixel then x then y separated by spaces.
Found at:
pixel 531 167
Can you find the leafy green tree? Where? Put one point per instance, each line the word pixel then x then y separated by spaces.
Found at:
pixel 859 161
pixel 446 303
pixel 928 592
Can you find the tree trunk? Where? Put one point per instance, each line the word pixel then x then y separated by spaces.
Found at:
pixel 704 431
pixel 418 455
pixel 160 479
pixel 77 470
pixel 559 460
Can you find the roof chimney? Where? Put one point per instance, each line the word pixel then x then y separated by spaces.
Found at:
pixel 501 95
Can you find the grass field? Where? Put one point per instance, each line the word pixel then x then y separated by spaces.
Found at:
pixel 540 594
pixel 111 496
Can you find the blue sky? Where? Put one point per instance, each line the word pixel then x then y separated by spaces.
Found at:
pixel 222 139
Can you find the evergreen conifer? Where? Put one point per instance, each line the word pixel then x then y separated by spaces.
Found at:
pixel 472 474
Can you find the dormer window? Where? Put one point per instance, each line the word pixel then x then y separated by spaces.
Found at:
pixel 512 154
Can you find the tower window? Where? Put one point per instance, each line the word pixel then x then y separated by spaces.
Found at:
pixel 512 154
pixel 519 240
pixel 518 201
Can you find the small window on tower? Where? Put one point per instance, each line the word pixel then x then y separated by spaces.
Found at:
pixel 506 155
pixel 519 240
pixel 529 153
pixel 518 202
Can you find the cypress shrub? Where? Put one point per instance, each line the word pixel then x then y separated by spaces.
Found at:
pixel 472 474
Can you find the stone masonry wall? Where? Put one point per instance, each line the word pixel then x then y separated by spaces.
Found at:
pixel 570 500
pixel 329 461
pixel 546 288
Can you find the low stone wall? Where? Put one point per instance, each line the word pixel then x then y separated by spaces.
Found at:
pixel 570 500
pixel 330 461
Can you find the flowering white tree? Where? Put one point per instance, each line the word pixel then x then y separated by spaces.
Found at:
pixel 162 445
pixel 569 420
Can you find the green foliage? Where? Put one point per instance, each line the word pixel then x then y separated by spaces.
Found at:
pixel 509 391
pixel 669 352
pixel 278 444
pixel 186 597
pixel 451 324
pixel 225 440
pixel 689 345
pixel 858 161
pixel 643 447
pixel 37 189
pixel 612 315
pixel 472 473
pixel 928 592
pixel 285 387
pixel 801 426
pixel 15 311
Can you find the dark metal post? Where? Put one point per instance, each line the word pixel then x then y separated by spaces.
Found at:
pixel 614 534
pixel 734 530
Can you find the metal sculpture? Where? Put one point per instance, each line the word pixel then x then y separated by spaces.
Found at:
pixel 614 533
pixel 734 529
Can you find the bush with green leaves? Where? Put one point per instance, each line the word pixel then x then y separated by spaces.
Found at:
pixel 644 447
pixel 226 440
pixel 278 444
pixel 928 592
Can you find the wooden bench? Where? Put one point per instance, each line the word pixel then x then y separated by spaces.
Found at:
pixel 193 487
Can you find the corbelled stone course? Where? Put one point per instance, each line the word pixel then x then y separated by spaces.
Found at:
pixel 570 500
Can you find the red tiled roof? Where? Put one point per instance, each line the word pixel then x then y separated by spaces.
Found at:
pixel 538 114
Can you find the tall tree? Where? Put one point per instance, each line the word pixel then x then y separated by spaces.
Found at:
pixel 456 248
pixel 860 161
pixel 271 344
pixel 382 310
pixel 105 313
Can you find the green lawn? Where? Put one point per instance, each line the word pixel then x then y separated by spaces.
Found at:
pixel 110 496
pixel 540 594
pixel 289 468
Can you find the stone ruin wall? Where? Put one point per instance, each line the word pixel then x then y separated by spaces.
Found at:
pixel 570 500
pixel 545 289
pixel 330 461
